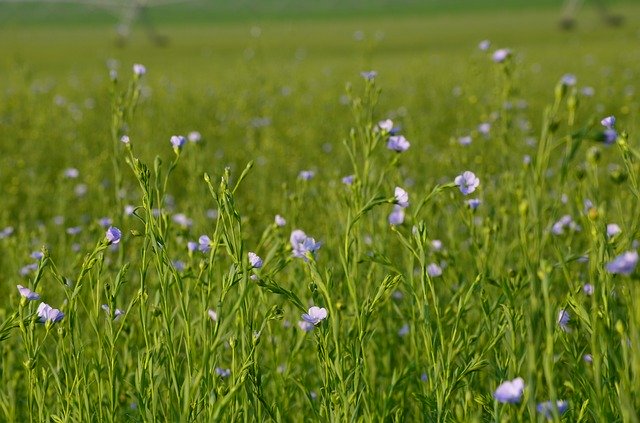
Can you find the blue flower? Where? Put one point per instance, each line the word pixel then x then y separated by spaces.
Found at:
pixel 302 244
pixel 223 373
pixel 484 45
pixel 27 293
pixel 178 141
pixel 608 122
pixel 348 180
pixel 563 320
pixel 613 230
pixel 499 56
pixel 401 197
pixel 398 143
pixel 568 79
pixel 116 314
pixel 306 175
pixel 254 260
pixel 204 244
pixel 396 217
pixel 305 326
pixel 474 203
pixel 623 264
pixel 433 270
pixel 194 136
pixel 509 391
pixel 113 235
pixel 49 314
pixel 546 408
pixel 467 182
pixel 139 69
pixel 369 75
pixel 385 125
pixel 315 315
pixel 280 221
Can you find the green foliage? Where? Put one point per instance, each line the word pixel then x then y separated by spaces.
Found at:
pixel 154 331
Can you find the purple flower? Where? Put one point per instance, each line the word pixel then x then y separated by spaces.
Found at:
pixel 587 289
pixel 623 264
pixel 116 314
pixel 254 260
pixel 182 220
pixel 25 270
pixel 192 246
pixel 279 220
pixel 484 45
pixel 588 358
pixel 27 293
pixel 49 314
pixel 465 140
pixel 348 180
pixel 610 135
pixel 223 373
pixel 194 136
pixel 501 55
pixel 113 235
pixel 565 221
pixel 563 320
pixel 105 222
pixel 302 244
pixel 385 125
pixel 37 255
pixel 546 408
pixel 204 244
pixel 369 75
pixel 315 315
pixel 396 217
pixel 568 80
pixel 129 209
pixel 401 197
pixel 433 270
pixel 613 230
pixel 484 128
pixel 474 203
pixel 139 69
pixel 608 122
pixel 467 182
pixel 398 143
pixel 178 141
pixel 305 326
pixel 71 173
pixel 509 391
pixel 306 175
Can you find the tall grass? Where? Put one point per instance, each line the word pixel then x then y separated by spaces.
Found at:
pixel 428 310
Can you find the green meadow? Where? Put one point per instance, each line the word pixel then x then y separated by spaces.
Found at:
pixel 187 247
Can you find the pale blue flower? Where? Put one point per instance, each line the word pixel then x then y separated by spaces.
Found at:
pixel 613 230
pixel 623 264
pixel 27 293
pixel 129 210
pixel 484 45
pixel 305 326
pixel 587 289
pixel 29 268
pixel 116 314
pixel 546 408
pixel 105 222
pixel 474 203
pixel 568 80
pixel 255 260
pixel 436 244
pixel 404 330
pixel 71 173
pixel 204 244
pixel 588 358
pixel 113 235
pixel 398 143
pixel 177 141
pixel 49 314
pixel 125 139
pixel 484 128
pixel 433 270
pixel 385 125
pixel 280 221
pixel 212 315
pixel 315 315
pixel 369 75
pixel 467 182
pixel 608 122
pixel 139 69
pixel 509 391
pixel 563 320
pixel 465 140
pixel 223 373
pixel 302 244
pixel 306 175
pixel 348 180
pixel 610 135
pixel 37 255
pixel 6 232
pixel 499 56
pixel 401 197
pixel 396 217
pixel 194 136
pixel 182 220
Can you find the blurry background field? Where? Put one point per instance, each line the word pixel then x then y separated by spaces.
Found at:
pixel 267 81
